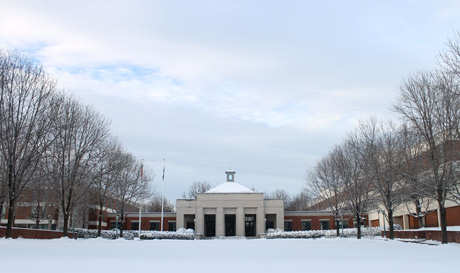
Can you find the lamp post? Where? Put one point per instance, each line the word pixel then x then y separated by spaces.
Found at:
pixel 384 227
pixel 341 223
pixel 116 225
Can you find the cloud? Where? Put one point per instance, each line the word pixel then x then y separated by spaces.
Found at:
pixel 268 87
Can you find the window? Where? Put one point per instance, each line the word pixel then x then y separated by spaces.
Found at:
pixel 343 224
pixel 155 225
pixel 354 223
pixel 172 226
pixel 190 225
pixel 324 224
pixel 134 225
pixel 270 225
pixel 287 225
pixel 306 225
pixel 114 225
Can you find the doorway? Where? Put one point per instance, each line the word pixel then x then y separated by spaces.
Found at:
pixel 250 225
pixel 210 225
pixel 230 220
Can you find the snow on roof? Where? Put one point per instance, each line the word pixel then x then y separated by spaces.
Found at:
pixel 230 187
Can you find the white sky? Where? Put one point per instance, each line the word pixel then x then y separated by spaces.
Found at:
pixel 266 87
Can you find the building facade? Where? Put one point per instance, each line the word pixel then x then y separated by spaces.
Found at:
pixel 230 209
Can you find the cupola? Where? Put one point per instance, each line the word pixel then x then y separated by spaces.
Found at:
pixel 230 175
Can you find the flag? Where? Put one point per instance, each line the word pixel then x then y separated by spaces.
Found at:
pixel 164 173
pixel 142 169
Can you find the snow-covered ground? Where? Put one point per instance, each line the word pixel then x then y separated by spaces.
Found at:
pixel 230 255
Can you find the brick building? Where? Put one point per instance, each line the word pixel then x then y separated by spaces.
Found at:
pixel 229 209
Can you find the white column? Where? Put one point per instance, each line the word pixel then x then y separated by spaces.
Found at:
pixel 220 222
pixel 260 223
pixel 199 223
pixel 239 221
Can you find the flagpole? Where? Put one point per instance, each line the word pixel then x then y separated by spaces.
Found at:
pixel 162 191
pixel 140 220
pixel 140 207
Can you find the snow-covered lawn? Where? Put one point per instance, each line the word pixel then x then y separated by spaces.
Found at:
pixel 230 255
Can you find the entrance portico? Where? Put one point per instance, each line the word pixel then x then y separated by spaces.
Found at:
pixel 230 209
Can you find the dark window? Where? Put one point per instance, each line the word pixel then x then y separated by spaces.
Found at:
pixel 172 226
pixel 190 225
pixel 287 225
pixel 210 225
pixel 270 225
pixel 114 225
pixel 344 224
pixel 134 225
pixel 306 225
pixel 325 225
pixel 154 225
pixel 230 220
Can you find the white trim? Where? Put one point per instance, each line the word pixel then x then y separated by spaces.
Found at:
pixel 96 223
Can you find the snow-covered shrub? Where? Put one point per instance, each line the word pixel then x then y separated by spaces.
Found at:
pixel 396 227
pixel 107 234
pixel 182 234
pixel 332 233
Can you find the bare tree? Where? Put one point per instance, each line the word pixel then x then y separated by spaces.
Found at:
pixel 106 171
pixel 154 204
pixel 416 195
pixel 326 184
pixel 131 186
pixel 70 160
pixel 354 171
pixel 383 150
pixel 300 202
pixel 26 115
pixel 450 57
pixel 280 194
pixel 428 103
pixel 38 195
pixel 196 187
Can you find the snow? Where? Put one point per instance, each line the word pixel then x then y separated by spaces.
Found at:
pixel 257 255
pixel 230 187
pixel 449 228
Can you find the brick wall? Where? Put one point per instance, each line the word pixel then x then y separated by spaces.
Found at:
pixel 145 225
pixel 315 221
pixel 452 236
pixel 31 233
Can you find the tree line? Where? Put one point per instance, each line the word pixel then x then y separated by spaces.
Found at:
pixel 57 149
pixel 411 162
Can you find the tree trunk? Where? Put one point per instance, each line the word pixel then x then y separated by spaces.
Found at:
pixel 391 224
pixel 442 211
pixel 11 200
pixel 418 210
pixel 1 208
pixel 122 222
pixel 65 228
pixel 37 217
pixel 337 223
pixel 9 225
pixel 99 226
pixel 358 226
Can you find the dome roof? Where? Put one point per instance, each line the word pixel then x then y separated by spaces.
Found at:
pixel 230 187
